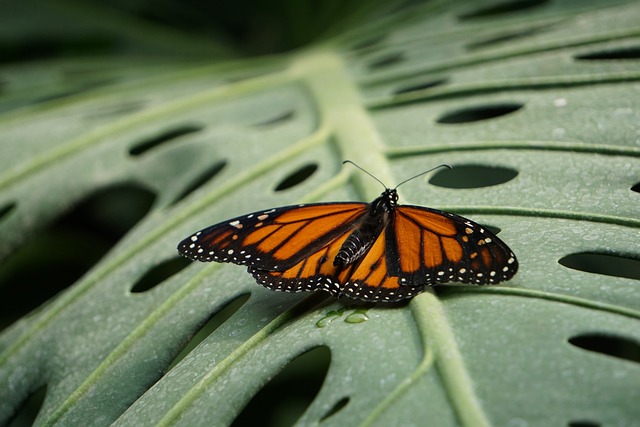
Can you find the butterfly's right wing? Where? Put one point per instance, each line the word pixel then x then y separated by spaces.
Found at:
pixel 432 246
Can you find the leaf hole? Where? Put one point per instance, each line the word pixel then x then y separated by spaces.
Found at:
pixel 54 258
pixel 387 60
pixel 340 404
pixel 635 188
pixel 624 53
pixel 201 180
pixel 583 423
pixel 160 273
pixel 616 346
pixel 506 37
pixel 214 322
pixel 420 86
pixel 606 264
pixel 28 412
pixel 164 138
pixel 280 118
pixel 370 42
pixel 492 228
pixel 503 8
pixel 297 177
pixel 284 399
pixel 472 176
pixel 6 210
pixel 479 113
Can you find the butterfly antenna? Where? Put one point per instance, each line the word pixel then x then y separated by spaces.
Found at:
pixel 365 171
pixel 423 173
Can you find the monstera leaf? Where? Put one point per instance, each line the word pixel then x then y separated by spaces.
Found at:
pixel 534 103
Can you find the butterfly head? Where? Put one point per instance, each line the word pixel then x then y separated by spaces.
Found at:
pixel 387 201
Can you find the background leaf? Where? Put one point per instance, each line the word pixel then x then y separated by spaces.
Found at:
pixel 125 128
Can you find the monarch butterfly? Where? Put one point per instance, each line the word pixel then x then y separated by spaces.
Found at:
pixel 378 251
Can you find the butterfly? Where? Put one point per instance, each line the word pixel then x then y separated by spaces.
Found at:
pixel 377 252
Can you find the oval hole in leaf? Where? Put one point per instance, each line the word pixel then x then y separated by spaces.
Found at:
pixel 386 60
pixel 635 188
pixel 622 348
pixel 492 228
pixel 165 137
pixel 6 209
pixel 599 263
pixel 611 54
pixel 297 177
pixel 283 117
pixel 201 179
pixel 370 42
pixel 26 415
pixel 340 404
pixel 506 37
pixel 472 176
pixel 160 273
pixel 420 86
pixel 503 8
pixel 214 322
pixel 54 258
pixel 583 423
pixel 285 398
pixel 478 113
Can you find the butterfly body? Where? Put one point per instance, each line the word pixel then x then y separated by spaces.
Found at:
pixel 378 251
pixel 367 230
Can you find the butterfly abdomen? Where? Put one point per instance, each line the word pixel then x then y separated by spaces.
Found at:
pixel 362 237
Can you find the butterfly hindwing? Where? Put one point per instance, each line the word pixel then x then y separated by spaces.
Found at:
pixel 368 279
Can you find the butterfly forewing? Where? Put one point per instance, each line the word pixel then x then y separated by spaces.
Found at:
pixel 275 239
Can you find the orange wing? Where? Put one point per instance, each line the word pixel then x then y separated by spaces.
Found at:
pixel 276 239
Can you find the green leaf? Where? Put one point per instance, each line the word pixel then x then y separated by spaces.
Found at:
pixel 535 104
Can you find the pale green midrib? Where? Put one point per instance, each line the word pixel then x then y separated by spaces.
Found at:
pixel 565 146
pixel 482 58
pixel 128 253
pixel 172 416
pixel 343 111
pixel 97 136
pixel 436 332
pixel 341 108
pixel 534 293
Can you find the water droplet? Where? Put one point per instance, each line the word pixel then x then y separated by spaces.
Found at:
pixel 358 316
pixel 329 317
